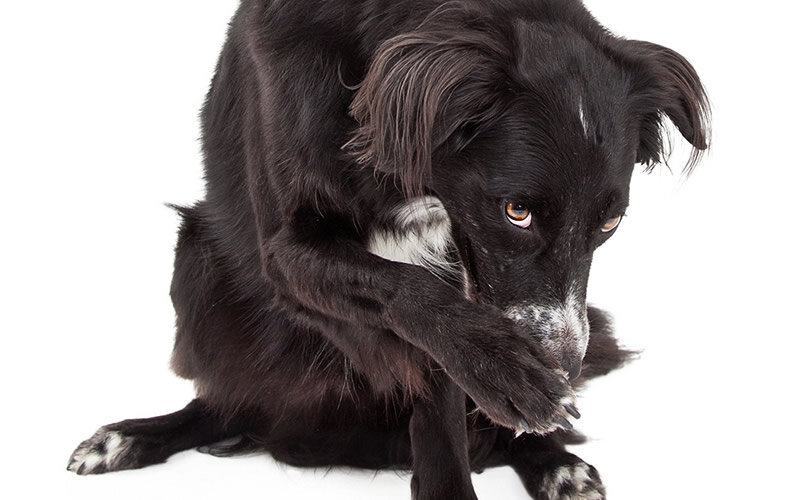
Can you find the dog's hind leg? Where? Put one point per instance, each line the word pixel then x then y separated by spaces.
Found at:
pixel 439 444
pixel 136 443
pixel 549 472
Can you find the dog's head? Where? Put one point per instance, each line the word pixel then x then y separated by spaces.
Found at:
pixel 528 133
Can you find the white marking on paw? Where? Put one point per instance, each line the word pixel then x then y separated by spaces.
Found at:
pixel 100 453
pixel 572 482
pixel 421 235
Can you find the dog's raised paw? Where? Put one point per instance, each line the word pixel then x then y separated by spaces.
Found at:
pixel 578 481
pixel 105 451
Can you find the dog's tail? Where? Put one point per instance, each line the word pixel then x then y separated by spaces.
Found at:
pixel 604 352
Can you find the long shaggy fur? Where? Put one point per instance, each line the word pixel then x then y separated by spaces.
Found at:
pixel 386 180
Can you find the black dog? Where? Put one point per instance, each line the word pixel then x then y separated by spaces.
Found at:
pixel 403 200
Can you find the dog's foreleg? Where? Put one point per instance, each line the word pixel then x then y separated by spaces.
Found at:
pixel 511 377
pixel 439 443
pixel 136 443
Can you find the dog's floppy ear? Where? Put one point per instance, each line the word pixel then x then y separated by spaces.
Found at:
pixel 665 84
pixel 424 88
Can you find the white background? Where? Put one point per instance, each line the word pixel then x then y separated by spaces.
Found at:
pixel 98 128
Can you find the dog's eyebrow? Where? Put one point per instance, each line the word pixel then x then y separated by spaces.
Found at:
pixel 615 203
pixel 528 187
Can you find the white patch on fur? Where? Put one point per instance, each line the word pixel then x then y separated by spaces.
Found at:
pixel 421 235
pixel 574 478
pixel 100 452
pixel 582 117
pixel 565 327
pixel 469 289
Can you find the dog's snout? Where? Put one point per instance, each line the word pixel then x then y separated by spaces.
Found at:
pixel 562 329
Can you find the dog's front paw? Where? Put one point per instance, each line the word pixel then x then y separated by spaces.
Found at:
pixel 107 450
pixel 541 402
pixel 548 411
pixel 578 481
pixel 514 382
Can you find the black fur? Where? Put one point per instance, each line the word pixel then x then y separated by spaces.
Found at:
pixel 323 117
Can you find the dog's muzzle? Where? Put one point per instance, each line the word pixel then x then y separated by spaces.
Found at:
pixel 563 330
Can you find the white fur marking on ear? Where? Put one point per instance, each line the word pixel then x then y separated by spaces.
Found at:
pixel 421 235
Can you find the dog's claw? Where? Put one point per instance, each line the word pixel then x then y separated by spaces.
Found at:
pixel 563 422
pixel 572 411
pixel 524 426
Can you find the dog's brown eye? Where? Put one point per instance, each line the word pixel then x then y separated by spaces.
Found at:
pixel 518 214
pixel 611 224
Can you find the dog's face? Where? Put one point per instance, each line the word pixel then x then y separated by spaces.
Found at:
pixel 530 199
pixel 529 139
